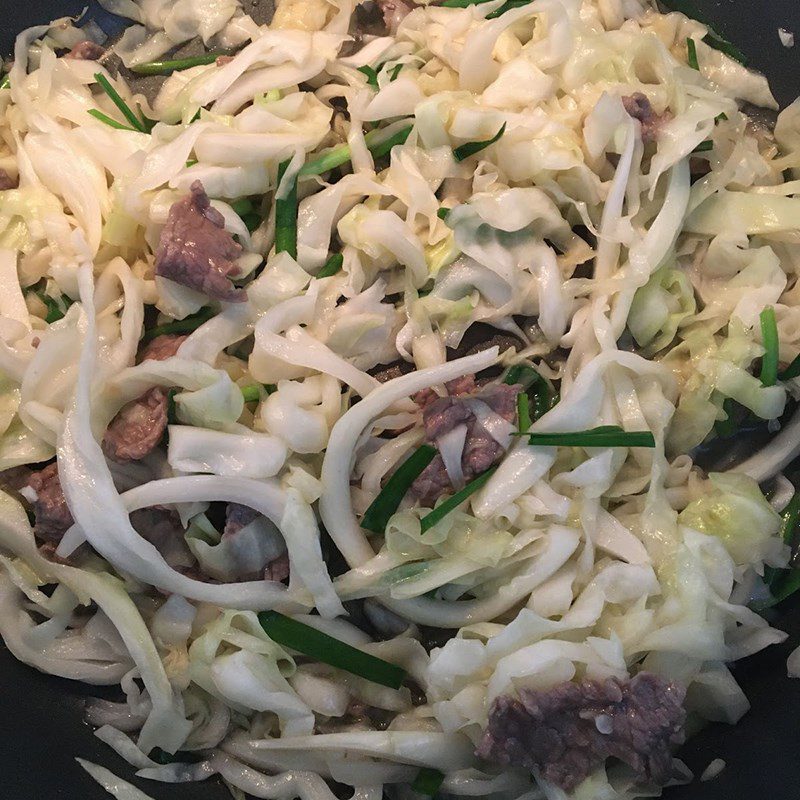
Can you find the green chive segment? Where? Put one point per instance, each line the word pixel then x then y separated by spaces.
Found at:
pixel 112 123
pixel 176 65
pixel 784 583
pixel 704 147
pixel 523 412
pixel 691 54
pixel 769 338
pixel 544 398
pixel 338 156
pixel 332 266
pixel 471 148
pixel 286 217
pixel 604 436
pixel 389 498
pixel 304 639
pixel 181 326
pixel 372 75
pixel 126 111
pixel 792 371
pixel 452 503
pixel 428 781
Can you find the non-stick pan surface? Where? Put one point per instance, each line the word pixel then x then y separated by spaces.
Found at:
pixel 41 718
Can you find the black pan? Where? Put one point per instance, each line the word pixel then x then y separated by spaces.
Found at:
pixel 41 727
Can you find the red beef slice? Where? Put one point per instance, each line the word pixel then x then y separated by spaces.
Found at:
pixel 441 415
pixel 569 731
pixel 639 107
pixel 196 251
pixel 138 428
pixel 52 514
pixel 86 51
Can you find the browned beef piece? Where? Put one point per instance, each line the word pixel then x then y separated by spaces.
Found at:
pixel 440 415
pixel 639 107
pixel 277 569
pixel 86 51
pixel 7 182
pixel 237 517
pixel 567 732
pixel 394 12
pixel 15 478
pixel 52 514
pixel 138 428
pixel 196 251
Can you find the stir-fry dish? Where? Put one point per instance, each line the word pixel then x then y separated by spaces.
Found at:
pixel 355 368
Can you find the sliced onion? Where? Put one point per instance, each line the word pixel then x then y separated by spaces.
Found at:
pixel 498 428
pixel 451 449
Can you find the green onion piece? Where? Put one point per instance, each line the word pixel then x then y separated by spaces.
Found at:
pixel 452 503
pixel 691 58
pixel 604 436
pixel 372 75
pixel 712 38
pixel 124 108
pixel 428 781
pixel 470 148
pixel 112 123
pixel 383 148
pixel 704 147
pixel 172 408
pixel 327 650
pixel 462 3
pixel 723 117
pixel 252 221
pixel 191 162
pixel 251 394
pixel 56 307
pixel 243 206
pixel 5 83
pixel 522 374
pixel 523 411
pixel 332 266
pixel 395 72
pixel 338 156
pixel 792 371
pixel 784 583
pixel 769 338
pixel 726 427
pixel 188 325
pixel 716 41
pixel 177 65
pixel 388 500
pixel 443 213
pixel 286 217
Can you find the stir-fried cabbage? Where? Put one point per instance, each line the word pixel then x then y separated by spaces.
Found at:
pixel 366 334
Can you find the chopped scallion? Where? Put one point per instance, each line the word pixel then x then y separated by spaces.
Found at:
pixel 523 412
pixel 252 394
pixel 769 339
pixel 286 217
pixel 389 498
pixel 526 376
pixel 428 781
pixel 471 148
pixel 792 371
pixel 443 213
pixel 691 57
pixel 604 436
pixel 252 221
pixel 452 503
pixel 784 583
pixel 704 147
pixel 332 266
pixel 176 65
pixel 304 639
pixel 242 206
pixel 56 307
pixel 726 427
pixel 112 123
pixel 125 109
pixel 395 72
pixel 340 155
pixel 181 326
pixel 5 83
pixel 372 75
